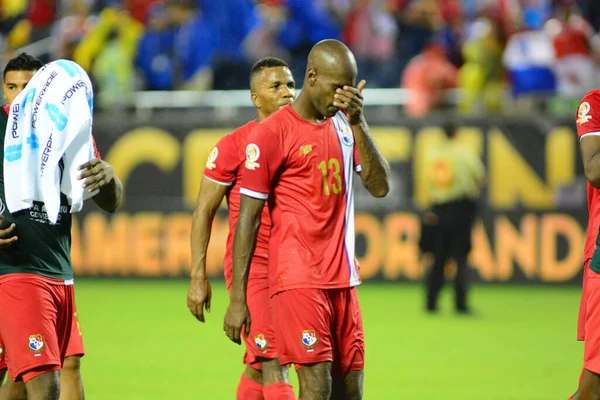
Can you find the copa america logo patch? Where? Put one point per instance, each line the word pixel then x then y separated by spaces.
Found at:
pixel 252 155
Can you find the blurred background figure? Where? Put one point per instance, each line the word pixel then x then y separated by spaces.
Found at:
pixel 428 76
pixel 454 178
pixel 480 78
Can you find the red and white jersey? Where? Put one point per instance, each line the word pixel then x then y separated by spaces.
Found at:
pixel 306 171
pixel 588 124
pixel 224 166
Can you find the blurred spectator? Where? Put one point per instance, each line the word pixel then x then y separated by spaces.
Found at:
pixel 232 21
pixel 371 34
pixel 111 19
pixel 71 29
pixel 480 77
pixel 575 49
pixel 528 59
pixel 193 47
pixel 42 14
pixel 111 74
pixel 417 22
pixel 264 40
pixel 309 21
pixel 428 76
pixel 155 52
pixel 139 8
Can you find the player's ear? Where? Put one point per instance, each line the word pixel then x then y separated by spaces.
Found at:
pixel 255 100
pixel 311 76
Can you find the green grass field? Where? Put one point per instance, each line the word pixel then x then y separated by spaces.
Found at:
pixel 142 343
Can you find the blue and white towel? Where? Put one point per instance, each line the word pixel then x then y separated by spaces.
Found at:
pixel 49 121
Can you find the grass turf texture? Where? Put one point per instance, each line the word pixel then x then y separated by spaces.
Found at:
pixel 142 343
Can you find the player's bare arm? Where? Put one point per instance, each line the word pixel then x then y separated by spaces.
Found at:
pixel 209 199
pixel 244 243
pixel 375 170
pixel 590 154
pixel 7 235
pixel 98 174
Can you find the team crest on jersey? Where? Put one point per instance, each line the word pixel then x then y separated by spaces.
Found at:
pixel 309 339
pixel 212 157
pixel 347 137
pixel 305 150
pixel 261 342
pixel 252 155
pixel 582 113
pixel 36 343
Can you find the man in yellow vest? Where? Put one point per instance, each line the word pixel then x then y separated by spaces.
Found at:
pixel 454 178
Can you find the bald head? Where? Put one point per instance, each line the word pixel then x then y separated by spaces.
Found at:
pixel 330 66
pixel 332 56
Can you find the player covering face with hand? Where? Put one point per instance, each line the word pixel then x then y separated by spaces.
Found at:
pixel 302 160
pixel 272 87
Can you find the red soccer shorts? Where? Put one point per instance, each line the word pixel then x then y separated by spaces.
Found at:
pixel 74 348
pixel 319 325
pixel 261 342
pixel 591 348
pixel 583 303
pixel 36 316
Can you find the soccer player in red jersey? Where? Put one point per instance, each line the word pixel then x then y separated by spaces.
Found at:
pixel 588 329
pixel 302 160
pixel 272 87
pixel 36 277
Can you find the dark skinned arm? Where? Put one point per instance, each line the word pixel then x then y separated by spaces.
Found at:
pixel 209 199
pixel 244 243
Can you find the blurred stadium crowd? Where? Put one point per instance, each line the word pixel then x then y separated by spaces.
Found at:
pixel 487 48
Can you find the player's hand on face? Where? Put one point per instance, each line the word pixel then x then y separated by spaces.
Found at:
pixel 7 235
pixel 236 317
pixel 96 173
pixel 350 99
pixel 199 297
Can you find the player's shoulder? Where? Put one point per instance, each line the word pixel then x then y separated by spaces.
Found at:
pixel 592 97
pixel 588 107
pixel 277 122
pixel 240 134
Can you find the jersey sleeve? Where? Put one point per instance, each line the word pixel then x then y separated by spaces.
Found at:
pixel 264 156
pixel 588 115
pixel 223 162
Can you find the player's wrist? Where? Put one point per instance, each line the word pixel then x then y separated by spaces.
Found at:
pixel 358 120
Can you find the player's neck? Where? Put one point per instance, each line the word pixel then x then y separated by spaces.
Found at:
pixel 304 108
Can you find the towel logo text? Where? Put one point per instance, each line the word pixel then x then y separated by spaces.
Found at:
pixel 71 92
pixel 39 99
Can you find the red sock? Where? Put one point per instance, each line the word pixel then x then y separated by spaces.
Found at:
pixel 279 391
pixel 249 390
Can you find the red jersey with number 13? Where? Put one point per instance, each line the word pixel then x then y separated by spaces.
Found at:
pixel 306 170
pixel 588 124
pixel 224 166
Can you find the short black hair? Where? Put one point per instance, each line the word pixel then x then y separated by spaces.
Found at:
pixel 267 62
pixel 23 62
